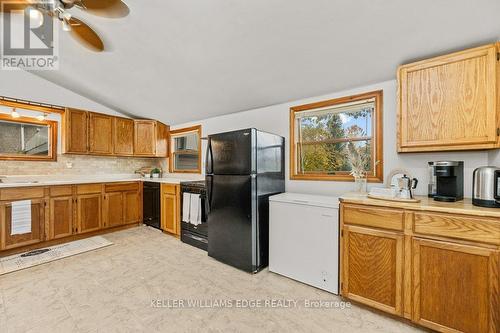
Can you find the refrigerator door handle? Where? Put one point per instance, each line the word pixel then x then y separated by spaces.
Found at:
pixel 210 185
pixel 209 168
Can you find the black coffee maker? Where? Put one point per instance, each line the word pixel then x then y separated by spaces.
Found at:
pixel 449 180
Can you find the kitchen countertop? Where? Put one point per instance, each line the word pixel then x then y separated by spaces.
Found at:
pixel 30 181
pixel 426 204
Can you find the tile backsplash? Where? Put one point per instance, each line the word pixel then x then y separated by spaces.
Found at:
pixel 80 165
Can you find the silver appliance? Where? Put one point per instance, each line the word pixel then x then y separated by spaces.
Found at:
pixel 486 187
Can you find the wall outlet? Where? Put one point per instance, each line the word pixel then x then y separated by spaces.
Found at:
pixel 69 165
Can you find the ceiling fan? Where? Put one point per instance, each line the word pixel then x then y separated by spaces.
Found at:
pixel 59 9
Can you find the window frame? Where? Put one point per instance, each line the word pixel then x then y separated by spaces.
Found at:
pixel 180 132
pixel 52 157
pixel 376 137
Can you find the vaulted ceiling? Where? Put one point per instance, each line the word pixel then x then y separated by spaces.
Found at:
pixel 186 60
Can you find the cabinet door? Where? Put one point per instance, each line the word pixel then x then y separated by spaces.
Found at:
pixel 89 208
pixel 101 134
pixel 132 209
pixel 123 134
pixel 161 140
pixel 113 209
pixel 455 287
pixel 449 102
pixel 372 268
pixel 61 217
pixel 169 212
pixel 36 235
pixel 75 131
pixel 145 138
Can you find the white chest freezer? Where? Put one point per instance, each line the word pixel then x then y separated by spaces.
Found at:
pixel 304 239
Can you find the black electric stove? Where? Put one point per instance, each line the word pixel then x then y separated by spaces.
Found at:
pixel 191 233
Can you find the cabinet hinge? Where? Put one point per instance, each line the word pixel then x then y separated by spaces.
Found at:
pixel 498 56
pixel 498 131
pixel 341 233
pixel 341 286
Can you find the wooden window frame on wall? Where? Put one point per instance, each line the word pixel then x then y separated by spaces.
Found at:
pixel 179 132
pixel 52 157
pixel 377 137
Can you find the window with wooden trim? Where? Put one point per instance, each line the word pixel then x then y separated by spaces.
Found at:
pixel 185 152
pixel 25 133
pixel 335 139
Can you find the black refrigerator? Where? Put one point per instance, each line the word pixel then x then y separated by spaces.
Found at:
pixel 243 168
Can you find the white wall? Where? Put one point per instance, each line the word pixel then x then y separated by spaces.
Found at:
pixel 494 158
pixel 23 85
pixel 275 119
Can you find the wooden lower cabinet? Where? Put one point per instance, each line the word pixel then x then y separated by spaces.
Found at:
pixel 372 267
pixel 113 209
pixel 441 271
pixel 89 212
pixel 61 217
pixel 455 287
pixel 122 204
pixel 132 212
pixel 36 235
pixel 170 208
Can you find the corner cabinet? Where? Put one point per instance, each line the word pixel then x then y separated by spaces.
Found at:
pixel 451 102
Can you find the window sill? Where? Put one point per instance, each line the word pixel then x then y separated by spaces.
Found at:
pixel 347 178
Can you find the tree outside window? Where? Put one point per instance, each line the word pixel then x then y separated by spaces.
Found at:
pixel 325 137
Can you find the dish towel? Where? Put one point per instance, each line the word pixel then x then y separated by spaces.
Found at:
pixel 186 207
pixel 21 217
pixel 194 212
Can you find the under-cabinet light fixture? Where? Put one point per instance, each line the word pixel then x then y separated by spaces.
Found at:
pixel 14 113
pixel 41 117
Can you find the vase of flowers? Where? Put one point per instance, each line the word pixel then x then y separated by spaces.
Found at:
pixel 359 160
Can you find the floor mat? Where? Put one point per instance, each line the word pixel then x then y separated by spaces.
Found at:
pixel 41 256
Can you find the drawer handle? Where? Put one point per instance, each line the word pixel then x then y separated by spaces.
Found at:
pixel 326 215
pixel 301 201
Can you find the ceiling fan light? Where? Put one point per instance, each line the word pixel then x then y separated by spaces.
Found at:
pixel 66 26
pixel 14 113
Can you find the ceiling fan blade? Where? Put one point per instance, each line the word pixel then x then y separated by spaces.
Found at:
pixel 85 35
pixel 106 8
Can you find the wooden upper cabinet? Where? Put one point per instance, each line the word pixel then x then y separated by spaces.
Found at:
pixel 455 287
pixel 145 137
pixel 150 138
pixel 162 131
pixel 123 136
pixel 450 102
pixel 75 131
pixel 101 134
pixel 372 267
